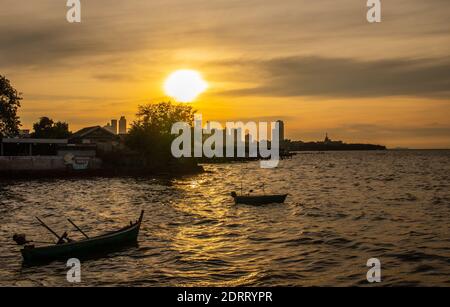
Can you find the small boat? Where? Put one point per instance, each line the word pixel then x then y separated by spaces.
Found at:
pixel 259 199
pixel 89 247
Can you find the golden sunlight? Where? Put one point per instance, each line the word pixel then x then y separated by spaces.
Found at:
pixel 185 85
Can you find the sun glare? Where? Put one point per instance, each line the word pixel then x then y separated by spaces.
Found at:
pixel 185 85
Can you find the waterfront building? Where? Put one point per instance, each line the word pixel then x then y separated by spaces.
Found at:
pixel 29 146
pixel 104 138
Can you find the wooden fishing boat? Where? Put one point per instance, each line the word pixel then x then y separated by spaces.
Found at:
pixel 259 199
pixel 84 248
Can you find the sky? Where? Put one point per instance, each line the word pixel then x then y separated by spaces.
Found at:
pixel 317 65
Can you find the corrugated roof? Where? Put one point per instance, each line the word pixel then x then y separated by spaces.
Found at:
pixel 83 132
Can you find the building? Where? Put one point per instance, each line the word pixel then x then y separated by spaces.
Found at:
pixel 19 155
pixel 123 125
pixel 30 147
pixel 281 127
pixel 23 156
pixel 114 126
pixel 24 133
pixel 77 150
pixel 110 128
pixel 328 141
pixel 27 155
pixel 103 138
pixel 281 135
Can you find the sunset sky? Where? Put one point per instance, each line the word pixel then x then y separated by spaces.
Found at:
pixel 318 65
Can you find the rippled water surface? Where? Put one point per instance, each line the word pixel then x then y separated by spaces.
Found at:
pixel 343 208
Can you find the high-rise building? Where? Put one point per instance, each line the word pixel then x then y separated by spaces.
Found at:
pixel 123 125
pixel 281 127
pixel 114 126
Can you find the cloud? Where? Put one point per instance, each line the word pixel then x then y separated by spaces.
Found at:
pixel 39 36
pixel 345 77
pixel 246 119
pixel 115 77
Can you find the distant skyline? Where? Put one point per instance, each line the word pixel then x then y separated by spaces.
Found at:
pixel 319 66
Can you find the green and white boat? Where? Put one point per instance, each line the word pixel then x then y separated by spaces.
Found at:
pixel 89 247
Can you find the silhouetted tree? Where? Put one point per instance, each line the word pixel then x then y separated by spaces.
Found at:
pixel 9 104
pixel 150 135
pixel 47 129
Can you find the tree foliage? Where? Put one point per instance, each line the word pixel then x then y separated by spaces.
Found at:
pixel 46 128
pixel 161 116
pixel 150 134
pixel 9 104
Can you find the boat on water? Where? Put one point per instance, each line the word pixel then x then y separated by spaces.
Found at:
pixel 259 199
pixel 65 248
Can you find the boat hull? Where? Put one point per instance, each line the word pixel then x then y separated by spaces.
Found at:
pixel 260 200
pixel 85 248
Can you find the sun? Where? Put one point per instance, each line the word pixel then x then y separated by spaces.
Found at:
pixel 185 85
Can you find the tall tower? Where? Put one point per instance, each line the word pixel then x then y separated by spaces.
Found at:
pixel 114 126
pixel 281 127
pixel 123 125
